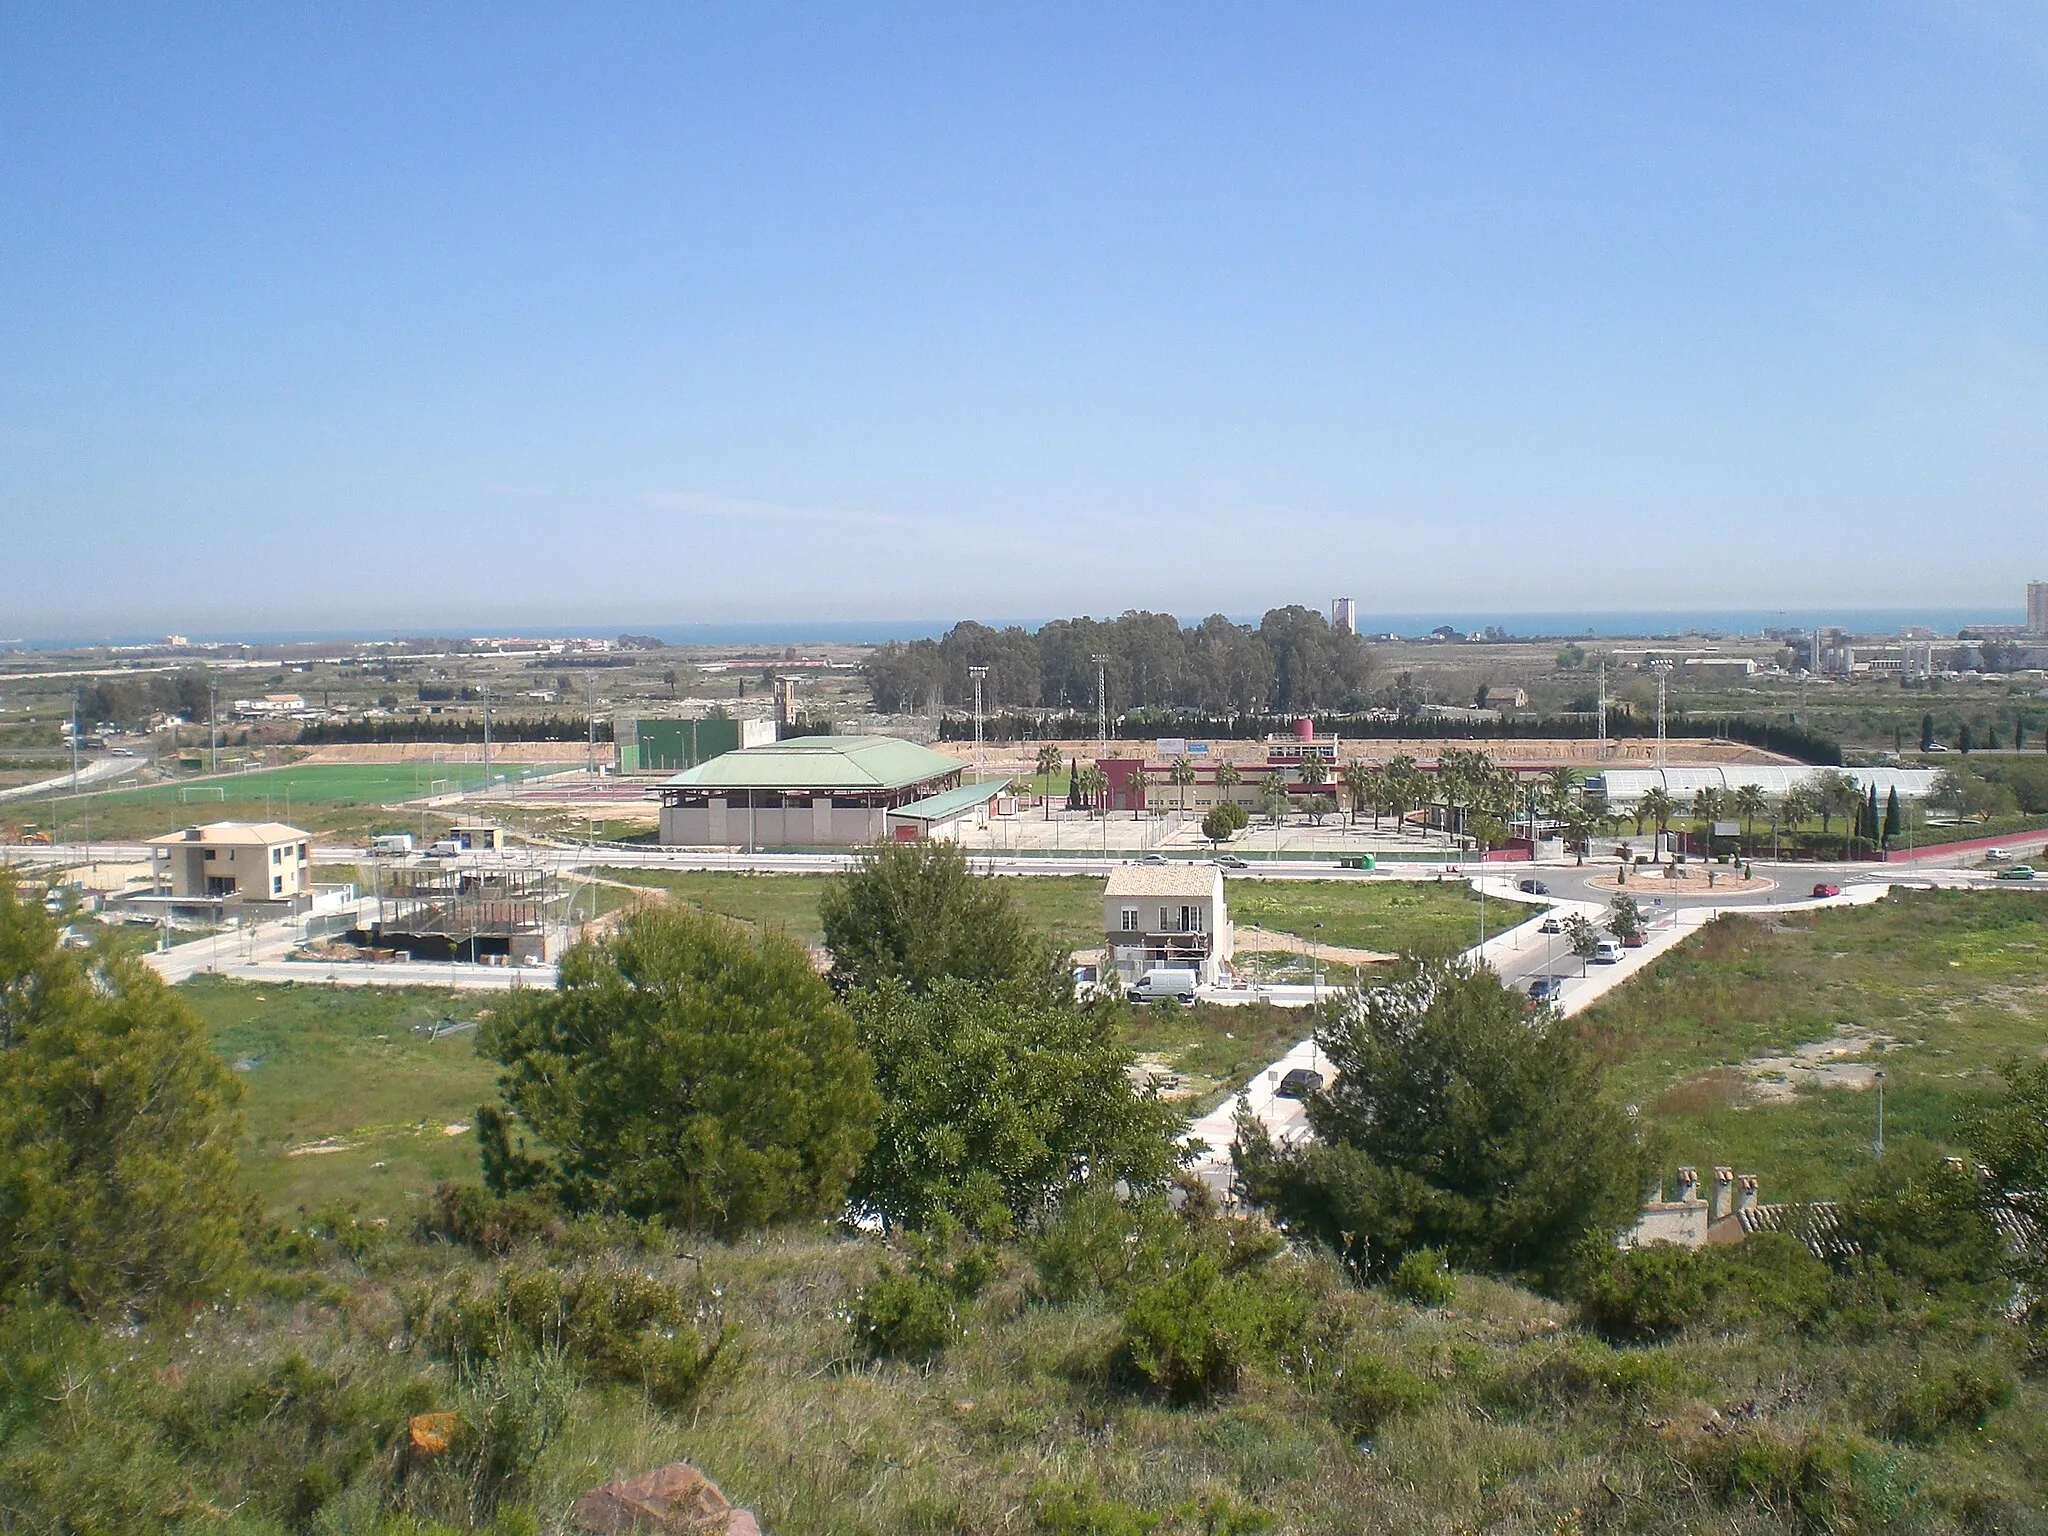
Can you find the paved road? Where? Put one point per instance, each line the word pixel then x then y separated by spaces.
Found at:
pixel 98 770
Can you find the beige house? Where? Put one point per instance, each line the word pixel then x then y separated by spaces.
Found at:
pixel 233 861
pixel 1166 915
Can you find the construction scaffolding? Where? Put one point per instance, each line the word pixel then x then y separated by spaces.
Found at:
pixel 442 909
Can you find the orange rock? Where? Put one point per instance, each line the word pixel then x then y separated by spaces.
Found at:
pixel 429 1433
pixel 675 1500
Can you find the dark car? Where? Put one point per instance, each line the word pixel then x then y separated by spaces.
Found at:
pixel 1827 888
pixel 1298 1084
pixel 1543 989
pixel 1535 888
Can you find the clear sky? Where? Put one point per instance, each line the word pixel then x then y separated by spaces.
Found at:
pixel 320 316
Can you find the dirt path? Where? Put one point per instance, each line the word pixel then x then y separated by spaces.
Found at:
pixel 1249 939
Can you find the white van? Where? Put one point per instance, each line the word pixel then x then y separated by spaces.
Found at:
pixel 391 842
pixel 1608 952
pixel 1159 985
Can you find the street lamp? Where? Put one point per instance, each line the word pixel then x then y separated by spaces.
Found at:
pixel 1878 1077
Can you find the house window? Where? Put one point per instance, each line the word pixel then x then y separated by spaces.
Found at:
pixel 277 855
pixel 1165 922
pixel 277 885
pixel 1190 919
pixel 1130 919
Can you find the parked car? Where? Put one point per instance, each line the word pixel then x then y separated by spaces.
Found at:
pixel 1535 888
pixel 1551 925
pixel 1635 940
pixel 2017 872
pixel 1826 888
pixel 1164 983
pixel 1298 1084
pixel 1608 952
pixel 1995 855
pixel 1543 989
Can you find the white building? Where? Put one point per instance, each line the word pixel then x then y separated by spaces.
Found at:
pixel 1166 915
pixel 2037 607
pixel 1344 615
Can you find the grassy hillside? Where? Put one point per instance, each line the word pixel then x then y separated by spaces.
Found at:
pixel 1950 983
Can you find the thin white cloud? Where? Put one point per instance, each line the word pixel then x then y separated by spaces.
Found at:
pixel 740 509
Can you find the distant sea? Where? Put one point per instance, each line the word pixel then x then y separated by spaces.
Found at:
pixel 1619 624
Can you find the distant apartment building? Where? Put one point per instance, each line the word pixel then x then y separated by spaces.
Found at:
pixel 1344 615
pixel 233 861
pixel 2037 607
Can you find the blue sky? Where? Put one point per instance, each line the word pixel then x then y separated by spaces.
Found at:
pixel 420 316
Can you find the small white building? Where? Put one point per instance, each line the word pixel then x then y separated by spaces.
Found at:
pixel 1166 915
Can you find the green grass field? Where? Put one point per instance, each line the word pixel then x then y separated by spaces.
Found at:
pixel 1419 917
pixel 321 797
pixel 1068 907
pixel 348 1068
pixel 1957 981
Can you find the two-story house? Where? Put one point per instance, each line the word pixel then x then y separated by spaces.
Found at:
pixel 1166 914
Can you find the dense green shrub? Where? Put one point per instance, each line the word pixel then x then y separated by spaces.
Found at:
pixel 997 1102
pixel 607 1321
pixel 1371 1391
pixel 683 1069
pixel 1579 1370
pixel 917 914
pixel 1922 1218
pixel 1770 1277
pixel 1456 1122
pixel 118 1128
pixel 1099 1243
pixel 1649 1292
pixel 1958 1395
pixel 908 1314
pixel 1423 1278
pixel 913 1311
pixel 1192 1332
pixel 1821 1480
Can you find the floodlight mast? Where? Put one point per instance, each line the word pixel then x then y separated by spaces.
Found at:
pixel 977 673
pixel 1101 704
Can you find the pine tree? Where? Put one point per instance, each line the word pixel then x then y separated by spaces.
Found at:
pixel 1891 815
pixel 1927 733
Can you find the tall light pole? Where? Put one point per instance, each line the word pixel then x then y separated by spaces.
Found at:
pixel 74 741
pixel 1600 752
pixel 212 727
pixel 487 768
pixel 1663 671
pixel 1101 704
pixel 590 714
pixel 977 673
pixel 1878 1077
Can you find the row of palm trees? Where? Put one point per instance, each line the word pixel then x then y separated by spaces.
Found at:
pixel 1479 798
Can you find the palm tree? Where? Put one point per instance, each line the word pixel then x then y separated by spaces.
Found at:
pixel 1273 795
pixel 1558 787
pixel 1749 803
pixel 1135 787
pixel 1706 807
pixel 1048 765
pixel 1659 807
pixel 1314 772
pixel 1227 779
pixel 1405 788
pixel 1838 795
pixel 1092 781
pixel 1797 806
pixel 1183 775
pixel 1358 785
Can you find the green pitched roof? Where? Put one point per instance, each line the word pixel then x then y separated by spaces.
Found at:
pixel 822 762
pixel 949 801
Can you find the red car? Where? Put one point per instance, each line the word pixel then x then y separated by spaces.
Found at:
pixel 1827 888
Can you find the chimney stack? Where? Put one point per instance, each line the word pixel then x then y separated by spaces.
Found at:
pixel 1745 1197
pixel 1688 1185
pixel 1724 1192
